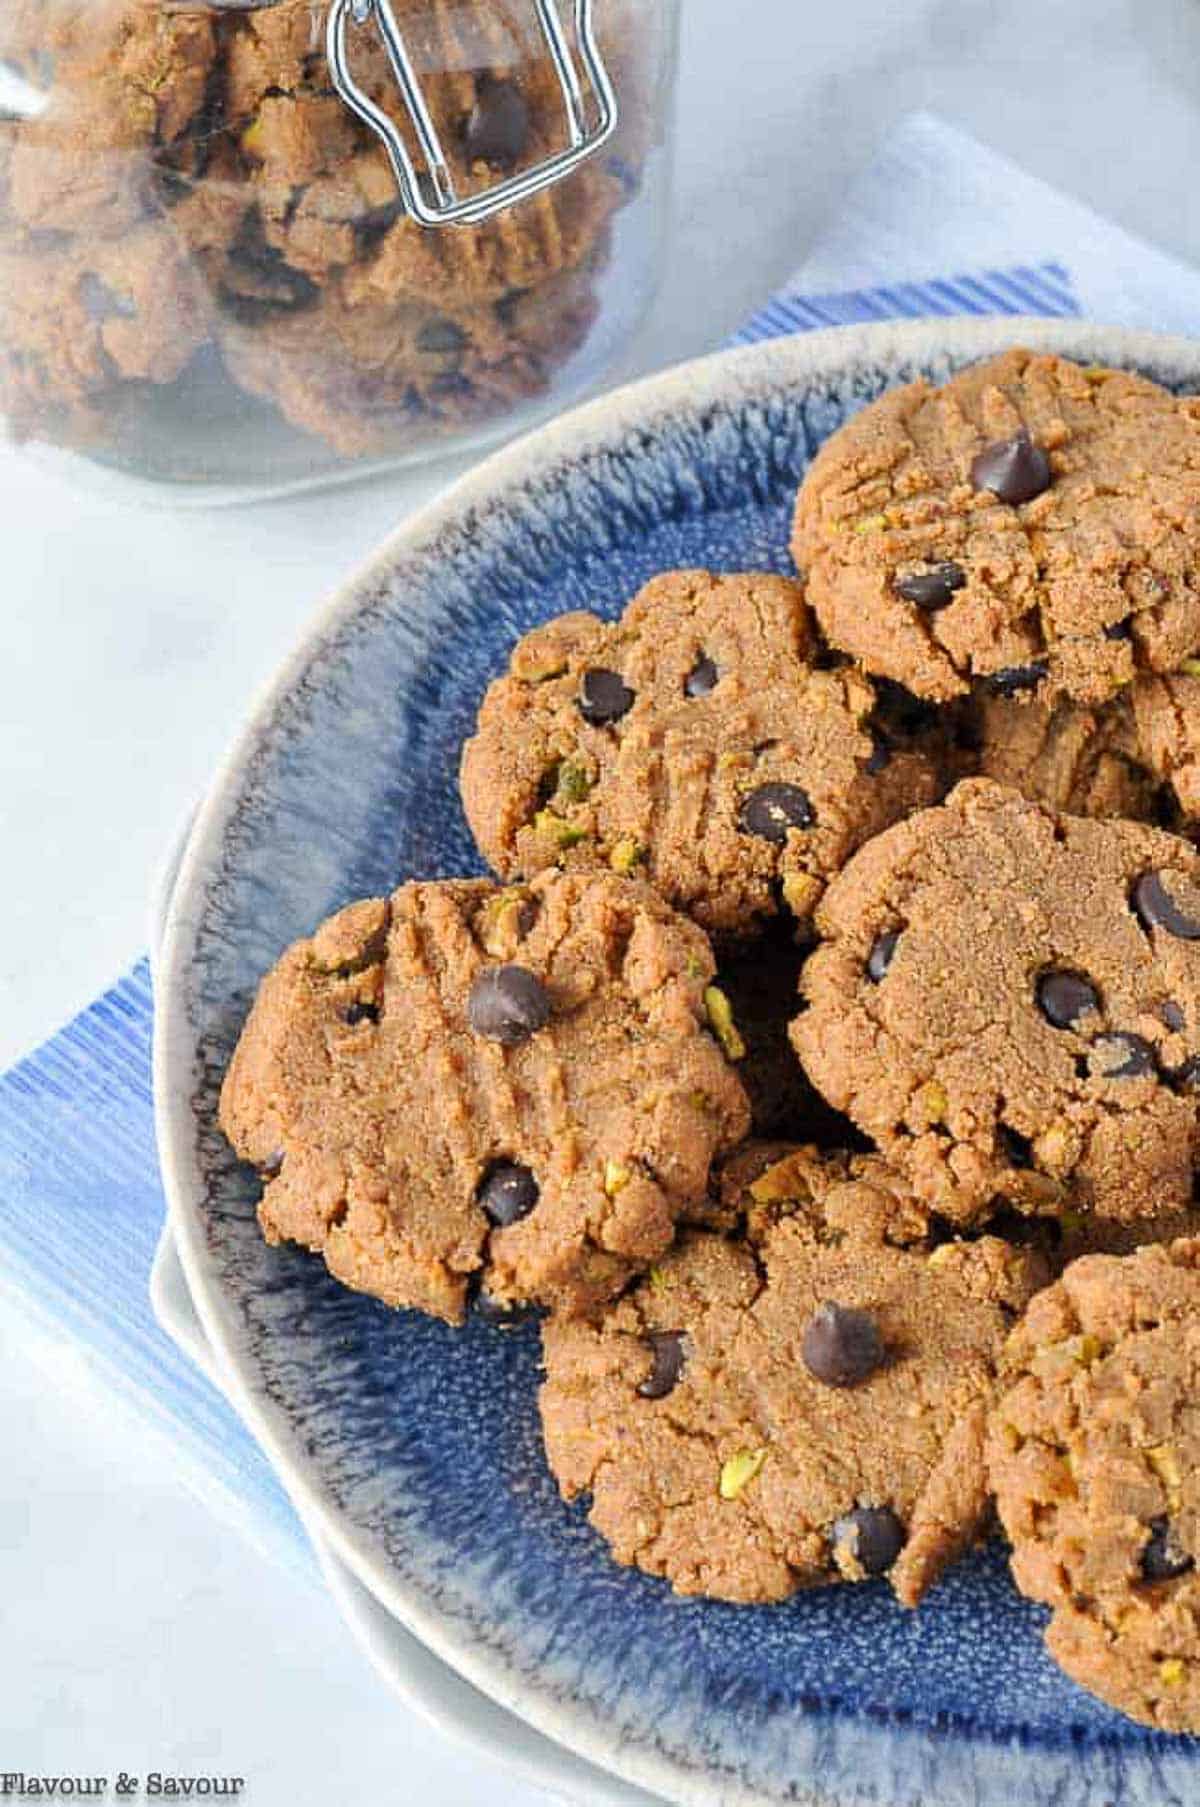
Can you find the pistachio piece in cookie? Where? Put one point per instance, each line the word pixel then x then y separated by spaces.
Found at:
pixel 463 1085
pixel 696 740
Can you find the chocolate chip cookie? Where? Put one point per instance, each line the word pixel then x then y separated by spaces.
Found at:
pixel 97 288
pixel 1031 523
pixel 803 1406
pixel 1008 1001
pixel 517 1088
pixel 261 216
pixel 366 379
pixel 127 309
pixel 697 741
pixel 323 189
pixel 1094 1455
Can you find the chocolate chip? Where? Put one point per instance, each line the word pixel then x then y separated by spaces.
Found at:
pixel 702 679
pixel 772 809
pixel 880 956
pixel 260 280
pixel 604 696
pixel 508 1004
pixel 932 589
pixel 1119 630
pixel 508 1192
pixel 443 342
pixel 1158 910
pixel 1017 677
pixel 441 335
pixel 1186 1076
pixel 1016 1148
pixel 1122 1056
pixel 497 128
pixel 872 1535
pixel 841 1345
pixel 1015 470
pixel 1172 1015
pixel 1064 997
pixel 1163 1556
pixel 666 1347
pixel 372 227
pixel 362 1013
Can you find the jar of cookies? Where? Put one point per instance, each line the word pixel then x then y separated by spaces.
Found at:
pixel 249 245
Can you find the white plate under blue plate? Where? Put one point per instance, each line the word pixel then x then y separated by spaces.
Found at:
pixel 412 1450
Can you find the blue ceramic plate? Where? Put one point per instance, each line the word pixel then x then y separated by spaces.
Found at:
pixel 413 1449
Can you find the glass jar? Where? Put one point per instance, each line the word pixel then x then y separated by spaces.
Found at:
pixel 210 271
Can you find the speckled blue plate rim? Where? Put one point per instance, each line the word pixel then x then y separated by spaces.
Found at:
pixel 876 1760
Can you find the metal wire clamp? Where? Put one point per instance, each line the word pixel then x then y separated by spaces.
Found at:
pixel 428 193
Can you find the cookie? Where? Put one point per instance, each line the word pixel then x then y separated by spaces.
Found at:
pixel 98 288
pixel 75 324
pixel 803 1406
pixel 696 741
pixel 1008 1002
pixel 464 1085
pixel 221 127
pixel 1031 523
pixel 373 379
pixel 126 91
pixel 1094 1456
pixel 1082 762
pixel 322 186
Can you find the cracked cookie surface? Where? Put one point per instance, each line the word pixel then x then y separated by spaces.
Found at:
pixel 468 1082
pixel 1094 1456
pixel 802 1406
pixel 692 740
pixel 1032 522
pixel 1008 1002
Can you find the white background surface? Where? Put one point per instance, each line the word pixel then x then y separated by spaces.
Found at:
pixel 136 1633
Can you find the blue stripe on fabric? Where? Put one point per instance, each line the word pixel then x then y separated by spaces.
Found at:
pixel 81 1207
pixel 1043 288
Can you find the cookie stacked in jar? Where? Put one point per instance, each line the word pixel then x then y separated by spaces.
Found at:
pixel 208 274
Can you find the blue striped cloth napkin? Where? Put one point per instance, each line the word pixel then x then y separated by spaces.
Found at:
pixel 938 225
